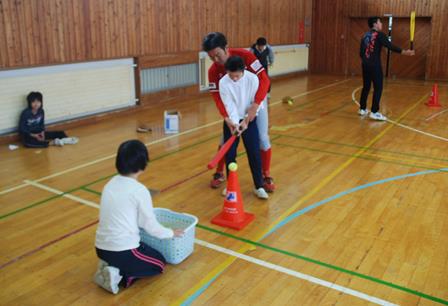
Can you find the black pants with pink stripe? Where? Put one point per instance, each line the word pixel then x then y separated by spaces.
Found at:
pixel 136 263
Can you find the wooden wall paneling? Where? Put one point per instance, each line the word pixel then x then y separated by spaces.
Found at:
pixel 273 19
pixel 134 26
pixel 411 67
pixel 64 25
pixel 52 30
pixel 88 38
pixel 438 67
pixel 116 43
pixel 17 32
pixel 308 10
pixel 25 38
pixel 122 27
pixel 232 27
pixel 100 31
pixel 187 25
pixel 107 26
pixel 143 26
pixel 259 21
pixel 128 33
pixel 10 33
pixel 244 17
pixel 68 19
pixel 41 24
pixel 151 61
pixel 45 32
pixel 3 52
pixel 170 94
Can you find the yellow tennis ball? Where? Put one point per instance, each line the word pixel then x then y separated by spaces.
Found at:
pixel 290 102
pixel 233 167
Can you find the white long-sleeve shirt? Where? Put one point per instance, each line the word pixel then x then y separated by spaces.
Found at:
pixel 126 205
pixel 238 96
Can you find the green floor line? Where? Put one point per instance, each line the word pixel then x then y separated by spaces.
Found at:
pixel 356 156
pixel 361 147
pixel 91 191
pixel 327 265
pixel 85 188
pixel 159 157
pixel 276 136
pixel 37 203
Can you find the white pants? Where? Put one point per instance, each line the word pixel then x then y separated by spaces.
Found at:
pixel 263 125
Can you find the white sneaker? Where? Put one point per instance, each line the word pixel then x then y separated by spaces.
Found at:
pixel 261 193
pixel 70 140
pixel 363 112
pixel 108 277
pixel 377 116
pixel 58 142
pixel 224 192
pixel 101 265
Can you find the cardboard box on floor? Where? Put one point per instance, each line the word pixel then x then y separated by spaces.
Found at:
pixel 171 119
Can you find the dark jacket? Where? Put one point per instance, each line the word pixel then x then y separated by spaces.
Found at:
pixel 371 45
pixel 31 123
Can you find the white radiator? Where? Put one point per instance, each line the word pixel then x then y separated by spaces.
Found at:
pixel 70 91
pixel 288 59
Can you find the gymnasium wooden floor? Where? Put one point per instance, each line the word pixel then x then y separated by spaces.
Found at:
pixel 360 215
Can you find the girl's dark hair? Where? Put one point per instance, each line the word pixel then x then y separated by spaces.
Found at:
pixel 214 40
pixel 372 20
pixel 132 157
pixel 234 63
pixel 261 41
pixel 33 96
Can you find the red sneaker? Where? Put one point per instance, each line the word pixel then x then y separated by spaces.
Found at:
pixel 269 185
pixel 218 179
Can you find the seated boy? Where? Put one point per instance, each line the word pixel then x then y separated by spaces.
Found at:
pixel 32 126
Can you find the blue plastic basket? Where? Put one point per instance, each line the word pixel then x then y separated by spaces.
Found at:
pixel 175 250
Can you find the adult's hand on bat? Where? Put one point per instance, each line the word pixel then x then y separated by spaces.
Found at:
pixel 408 52
pixel 252 112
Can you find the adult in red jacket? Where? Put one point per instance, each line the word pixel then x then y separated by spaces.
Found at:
pixel 215 44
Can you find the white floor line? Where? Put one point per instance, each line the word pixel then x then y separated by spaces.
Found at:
pixel 156 141
pixel 436 114
pixel 67 195
pixel 295 274
pixel 311 91
pixel 13 188
pixel 402 125
pixel 250 259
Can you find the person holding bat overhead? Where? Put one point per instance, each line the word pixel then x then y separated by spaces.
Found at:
pixel 237 90
pixel 215 44
pixel 370 53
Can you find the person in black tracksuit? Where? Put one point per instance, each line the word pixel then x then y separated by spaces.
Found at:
pixel 370 53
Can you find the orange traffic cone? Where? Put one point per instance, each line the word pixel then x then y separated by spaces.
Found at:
pixel 433 100
pixel 233 214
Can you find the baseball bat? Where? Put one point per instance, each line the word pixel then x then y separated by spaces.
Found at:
pixel 412 30
pixel 222 152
